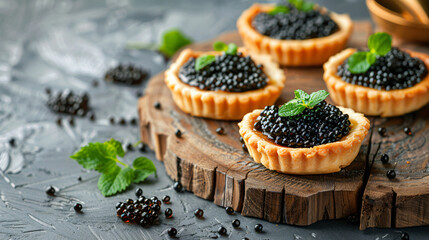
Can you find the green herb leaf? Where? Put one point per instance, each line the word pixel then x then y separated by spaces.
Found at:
pixel 358 63
pixel 317 97
pixel 307 6
pixel 371 58
pixel 118 147
pixel 279 9
pixel 115 181
pixel 102 157
pixel 220 46
pixel 232 49
pixel 380 43
pixel 291 108
pixel 172 41
pixel 96 156
pixel 302 5
pixel 301 102
pixel 143 168
pixel 300 94
pixel 203 61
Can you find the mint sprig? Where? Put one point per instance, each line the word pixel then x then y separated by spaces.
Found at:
pixel 379 44
pixel 205 60
pixel 279 9
pixel 116 175
pixel 171 41
pixel 302 5
pixel 301 102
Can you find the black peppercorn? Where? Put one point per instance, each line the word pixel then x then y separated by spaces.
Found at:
pixel 122 121
pixel 259 228
pixel 172 232
pixel 139 192
pixel 112 120
pixel 229 210
pixel 12 142
pixel 199 213
pixel 178 133
pixel 384 158
pixel 130 147
pixel 78 207
pixel 222 231
pixel 407 131
pixel 382 131
pixel 157 105
pixel 391 174
pixel 220 130
pixel 178 186
pixel 236 223
pixel 50 190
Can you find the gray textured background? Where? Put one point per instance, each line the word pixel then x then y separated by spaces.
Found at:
pixel 69 43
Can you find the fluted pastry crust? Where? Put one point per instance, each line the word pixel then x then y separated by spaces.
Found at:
pixel 371 101
pixel 308 52
pixel 221 104
pixel 326 158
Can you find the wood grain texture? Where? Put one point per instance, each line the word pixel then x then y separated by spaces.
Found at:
pixel 215 167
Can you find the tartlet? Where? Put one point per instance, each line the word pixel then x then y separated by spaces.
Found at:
pixel 372 101
pixel 321 159
pixel 308 52
pixel 222 104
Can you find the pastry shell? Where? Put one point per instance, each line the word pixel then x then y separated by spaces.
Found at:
pixel 372 101
pixel 326 158
pixel 221 104
pixel 308 52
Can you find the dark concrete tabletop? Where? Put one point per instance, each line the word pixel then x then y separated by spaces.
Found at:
pixel 69 43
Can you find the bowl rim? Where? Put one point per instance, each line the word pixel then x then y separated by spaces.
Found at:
pixel 388 15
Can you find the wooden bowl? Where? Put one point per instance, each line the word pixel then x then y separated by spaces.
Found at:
pixel 388 15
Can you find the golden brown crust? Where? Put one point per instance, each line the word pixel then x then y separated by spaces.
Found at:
pixel 371 101
pixel 307 52
pixel 326 158
pixel 221 104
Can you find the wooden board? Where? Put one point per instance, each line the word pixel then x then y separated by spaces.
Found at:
pixel 215 167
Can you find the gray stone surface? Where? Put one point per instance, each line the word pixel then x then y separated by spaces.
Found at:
pixel 67 44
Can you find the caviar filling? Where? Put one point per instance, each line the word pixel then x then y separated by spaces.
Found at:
pixel 395 70
pixel 231 73
pixel 126 74
pixel 324 123
pixel 295 25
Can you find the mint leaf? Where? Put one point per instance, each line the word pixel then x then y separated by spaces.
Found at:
pixel 203 61
pixel 358 63
pixel 117 146
pixel 291 108
pixel 220 46
pixel 143 167
pixel 115 181
pixel 371 58
pixel 279 9
pixel 317 97
pixel 307 6
pixel 300 94
pixel 380 43
pixel 96 156
pixel 232 49
pixel 172 41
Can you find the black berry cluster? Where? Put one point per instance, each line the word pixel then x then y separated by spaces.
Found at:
pixel 126 74
pixel 395 70
pixel 322 124
pixel 144 211
pixel 231 73
pixel 295 25
pixel 68 102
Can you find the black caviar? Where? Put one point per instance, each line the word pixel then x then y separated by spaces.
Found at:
pixel 324 123
pixel 199 213
pixel 236 223
pixel 391 174
pixel 126 74
pixel 178 187
pixel 68 102
pixel 231 73
pixel 222 230
pixel 168 213
pixel 229 210
pixel 143 211
pixel 395 70
pixel 259 228
pixel 172 232
pixel 295 25
pixel 50 190
pixel 382 131
pixel 77 207
pixel 384 158
pixel 408 131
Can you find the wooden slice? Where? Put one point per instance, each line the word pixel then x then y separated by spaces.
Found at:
pixel 215 167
